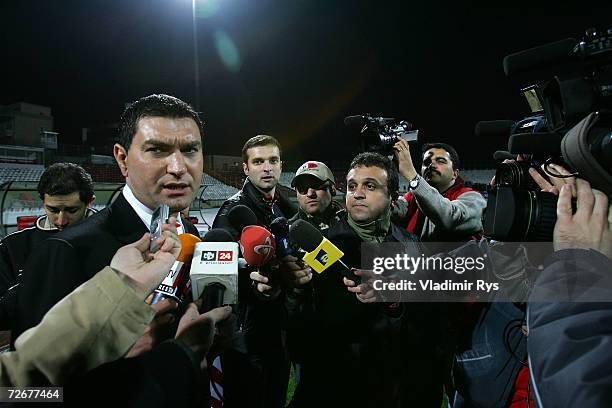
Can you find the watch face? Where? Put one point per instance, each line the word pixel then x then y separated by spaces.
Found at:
pixel 414 183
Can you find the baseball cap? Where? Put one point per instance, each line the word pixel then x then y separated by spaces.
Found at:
pixel 316 169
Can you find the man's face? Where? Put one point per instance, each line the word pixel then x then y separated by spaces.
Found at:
pixel 366 193
pixel 263 167
pixel 313 195
pixel 438 169
pixel 165 162
pixel 63 210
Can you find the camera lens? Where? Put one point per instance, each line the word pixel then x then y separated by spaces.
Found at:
pixel 516 174
pixel 520 215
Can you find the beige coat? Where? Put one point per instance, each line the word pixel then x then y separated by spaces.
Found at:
pixel 98 322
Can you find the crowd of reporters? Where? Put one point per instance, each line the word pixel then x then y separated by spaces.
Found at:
pixel 345 349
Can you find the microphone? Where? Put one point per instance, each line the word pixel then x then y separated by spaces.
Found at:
pixel 173 285
pixel 547 143
pixel 214 270
pixel 320 252
pixel 501 155
pixel 280 228
pixel 257 246
pixel 539 57
pixel 240 216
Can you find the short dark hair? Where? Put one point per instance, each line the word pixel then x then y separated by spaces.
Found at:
pixel 259 140
pixel 157 105
pixel 370 159
pixel 64 179
pixel 450 149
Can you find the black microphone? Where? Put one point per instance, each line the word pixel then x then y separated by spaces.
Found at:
pixel 539 57
pixel 320 252
pixel 214 271
pixel 546 143
pixel 280 228
pixel 501 155
pixel 240 216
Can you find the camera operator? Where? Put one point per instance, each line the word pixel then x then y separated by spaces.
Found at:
pixel 569 342
pixel 439 205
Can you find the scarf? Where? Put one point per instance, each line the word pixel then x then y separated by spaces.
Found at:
pixel 373 231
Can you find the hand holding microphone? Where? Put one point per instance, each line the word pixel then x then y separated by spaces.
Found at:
pixel 321 253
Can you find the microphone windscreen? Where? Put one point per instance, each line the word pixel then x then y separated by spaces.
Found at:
pixel 240 216
pixel 188 242
pixel 257 245
pixel 502 155
pixel 280 226
pixel 539 57
pixel 305 235
pixel 545 143
pixel 218 235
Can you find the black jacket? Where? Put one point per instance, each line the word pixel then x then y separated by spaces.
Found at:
pixel 15 249
pixel 253 198
pixel 258 379
pixel 570 343
pixel 74 255
pixel 357 355
pixel 63 262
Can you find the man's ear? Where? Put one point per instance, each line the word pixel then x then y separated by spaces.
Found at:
pixel 121 158
pixel 332 190
pixel 394 196
pixel 245 169
pixel 93 198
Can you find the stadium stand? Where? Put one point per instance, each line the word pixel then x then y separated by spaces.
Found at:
pixel 25 173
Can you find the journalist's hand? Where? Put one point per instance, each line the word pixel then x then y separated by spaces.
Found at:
pixel 590 227
pixel 294 273
pixel 555 183
pixel 197 331
pixel 404 160
pixel 141 270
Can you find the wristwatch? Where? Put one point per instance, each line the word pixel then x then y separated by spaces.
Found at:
pixel 414 183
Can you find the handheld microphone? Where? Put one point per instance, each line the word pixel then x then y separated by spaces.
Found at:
pixel 501 155
pixel 320 252
pixel 258 246
pixel 214 270
pixel 173 285
pixel 280 228
pixel 240 216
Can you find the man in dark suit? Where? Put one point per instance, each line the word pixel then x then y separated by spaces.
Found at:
pixel 160 154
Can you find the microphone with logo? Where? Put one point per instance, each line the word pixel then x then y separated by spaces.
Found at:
pixel 257 244
pixel 320 252
pixel 214 270
pixel 258 247
pixel 174 284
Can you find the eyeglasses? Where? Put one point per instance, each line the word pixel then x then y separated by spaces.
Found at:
pixel 303 189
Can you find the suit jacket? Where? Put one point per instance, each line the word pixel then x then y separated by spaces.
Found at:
pixel 167 375
pixel 73 256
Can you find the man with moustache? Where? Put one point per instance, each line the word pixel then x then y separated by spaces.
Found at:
pixel 355 354
pixel 439 206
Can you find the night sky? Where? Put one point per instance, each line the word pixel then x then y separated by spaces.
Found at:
pixel 292 68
